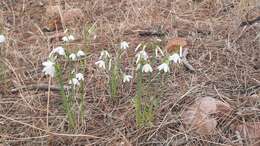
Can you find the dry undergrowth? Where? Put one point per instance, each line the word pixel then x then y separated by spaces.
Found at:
pixel 225 55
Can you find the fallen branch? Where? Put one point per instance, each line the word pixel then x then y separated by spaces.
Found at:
pixel 185 61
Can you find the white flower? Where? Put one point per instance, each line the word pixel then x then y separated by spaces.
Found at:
pixel 80 76
pixel 126 78
pixel 147 68
pixel 158 49
pixel 104 53
pixel 68 38
pixel 164 67
pixel 58 50
pixel 49 68
pixel 74 81
pixel 80 53
pixel 124 45
pixel 2 39
pixel 101 64
pixel 141 55
pixel 73 56
pixel 175 58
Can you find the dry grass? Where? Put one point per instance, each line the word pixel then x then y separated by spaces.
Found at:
pixel 225 55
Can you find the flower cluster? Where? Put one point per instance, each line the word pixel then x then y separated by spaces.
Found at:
pixel 106 59
pixel 143 63
pixel 49 65
pixel 76 80
pixel 68 38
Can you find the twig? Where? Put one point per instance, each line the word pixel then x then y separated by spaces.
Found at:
pixel 48 103
pixel 185 61
pixel 39 87
pixel 52 133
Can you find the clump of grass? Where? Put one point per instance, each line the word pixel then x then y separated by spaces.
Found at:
pixel 54 68
pixel 147 89
pixel 113 67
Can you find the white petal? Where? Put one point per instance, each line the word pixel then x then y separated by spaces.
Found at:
pixel 80 76
pixel 147 68
pixel 65 39
pixel 141 55
pixel 58 50
pixel 74 81
pixel 73 56
pixel 48 68
pixel 68 38
pixel 124 45
pixel 164 67
pixel 175 58
pixel 71 37
pixel 101 64
pixel 80 53
pixel 2 39
pixel 127 78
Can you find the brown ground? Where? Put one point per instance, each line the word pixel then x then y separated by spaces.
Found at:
pixel 224 54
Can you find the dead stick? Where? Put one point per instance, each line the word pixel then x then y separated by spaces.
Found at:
pixel 39 87
pixel 185 61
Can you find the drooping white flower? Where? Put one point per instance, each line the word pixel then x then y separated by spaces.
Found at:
pixel 104 54
pixel 80 53
pixel 2 39
pixel 175 58
pixel 164 67
pixel 124 45
pixel 127 78
pixel 48 68
pixel 74 81
pixel 141 55
pixel 68 38
pixel 80 76
pixel 73 56
pixel 58 50
pixel 147 68
pixel 101 64
pixel 158 49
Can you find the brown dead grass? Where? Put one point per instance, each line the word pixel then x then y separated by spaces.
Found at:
pixel 225 55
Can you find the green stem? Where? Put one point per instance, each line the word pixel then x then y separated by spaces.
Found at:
pixel 65 99
pixel 137 101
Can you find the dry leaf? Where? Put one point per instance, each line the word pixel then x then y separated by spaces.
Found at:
pixel 71 15
pixel 174 44
pixel 249 130
pixel 199 122
pixel 197 116
pixel 210 105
